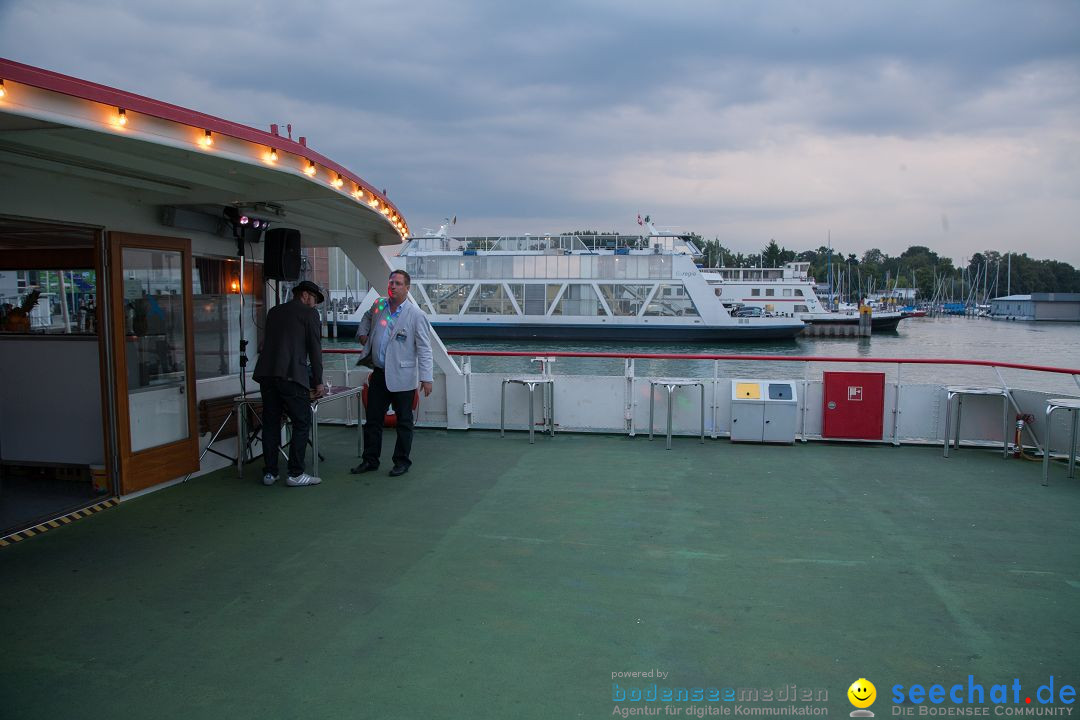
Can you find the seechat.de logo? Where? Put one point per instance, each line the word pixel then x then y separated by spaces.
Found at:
pixel 862 695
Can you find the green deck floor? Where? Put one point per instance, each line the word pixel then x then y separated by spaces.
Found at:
pixel 503 580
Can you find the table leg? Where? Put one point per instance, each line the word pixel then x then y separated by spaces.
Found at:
pixel 652 402
pixel 1072 446
pixel 532 394
pixel 551 386
pixel 502 410
pixel 359 425
pixel 959 414
pixel 1046 446
pixel 315 439
pixel 948 421
pixel 670 390
pixel 1005 425
pixel 702 413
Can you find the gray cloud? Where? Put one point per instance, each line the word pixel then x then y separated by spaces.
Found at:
pixel 740 120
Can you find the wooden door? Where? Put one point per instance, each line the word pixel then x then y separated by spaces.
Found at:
pixel 152 340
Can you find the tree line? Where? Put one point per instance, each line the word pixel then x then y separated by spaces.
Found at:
pixel 987 274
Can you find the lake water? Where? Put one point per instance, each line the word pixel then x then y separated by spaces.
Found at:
pixel 1031 343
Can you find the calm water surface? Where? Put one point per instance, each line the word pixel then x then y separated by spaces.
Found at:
pixel 1048 344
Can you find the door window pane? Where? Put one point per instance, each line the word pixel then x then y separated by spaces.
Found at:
pixel 155 347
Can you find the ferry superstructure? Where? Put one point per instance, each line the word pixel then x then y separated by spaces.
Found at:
pixel 571 287
pixel 787 290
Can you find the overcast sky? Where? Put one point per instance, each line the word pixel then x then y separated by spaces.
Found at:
pixel 887 124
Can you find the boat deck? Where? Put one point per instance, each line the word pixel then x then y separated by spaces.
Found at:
pixel 500 579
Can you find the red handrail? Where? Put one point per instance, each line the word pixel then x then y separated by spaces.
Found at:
pixel 782 358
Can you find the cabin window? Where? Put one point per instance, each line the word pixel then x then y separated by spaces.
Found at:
pixel 769 292
pixel 215 290
pixel 447 298
pixel 625 300
pixel 755 292
pixel 579 299
pixel 671 300
pixel 59 302
pixel 787 292
pixel 491 299
pixel 530 298
pixel 801 308
pixel 798 292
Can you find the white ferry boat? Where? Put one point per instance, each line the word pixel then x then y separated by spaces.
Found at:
pixel 786 291
pixel 571 287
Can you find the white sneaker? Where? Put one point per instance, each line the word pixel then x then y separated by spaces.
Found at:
pixel 302 479
pixel 269 479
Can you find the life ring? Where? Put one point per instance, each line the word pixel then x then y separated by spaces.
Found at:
pixel 391 418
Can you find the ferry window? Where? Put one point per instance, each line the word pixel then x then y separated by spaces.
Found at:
pixel 216 304
pixel 447 298
pixel 551 293
pixel 798 292
pixel 671 300
pixel 801 308
pixel 787 292
pixel 625 300
pixel 769 292
pixel 491 299
pixel 62 302
pixel 718 292
pixel 579 299
pixel 517 291
pixel 553 267
pixel 754 292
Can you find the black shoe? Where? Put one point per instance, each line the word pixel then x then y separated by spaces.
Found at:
pixel 364 467
pixel 399 470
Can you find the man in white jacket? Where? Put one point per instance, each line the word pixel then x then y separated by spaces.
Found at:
pixel 396 335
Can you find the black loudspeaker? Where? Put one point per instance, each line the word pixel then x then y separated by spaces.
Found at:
pixel 281 254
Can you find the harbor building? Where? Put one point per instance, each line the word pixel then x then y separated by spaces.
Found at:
pixel 1050 307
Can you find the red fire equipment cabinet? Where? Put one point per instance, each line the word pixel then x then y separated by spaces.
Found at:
pixel 854 405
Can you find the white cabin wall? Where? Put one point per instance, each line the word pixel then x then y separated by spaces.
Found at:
pixel 35 194
pixel 50 401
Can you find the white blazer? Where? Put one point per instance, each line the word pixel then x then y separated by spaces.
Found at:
pixel 408 354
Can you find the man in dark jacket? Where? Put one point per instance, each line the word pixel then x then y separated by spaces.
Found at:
pixel 292 341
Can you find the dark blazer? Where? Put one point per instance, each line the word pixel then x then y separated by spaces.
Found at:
pixel 292 338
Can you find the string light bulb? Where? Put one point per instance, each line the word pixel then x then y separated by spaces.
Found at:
pixel 310 169
pixel 273 155
pixel 207 138
pixel 3 90
pixel 338 181
pixel 121 116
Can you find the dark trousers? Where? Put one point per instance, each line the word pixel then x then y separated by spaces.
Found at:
pixel 291 398
pixel 378 401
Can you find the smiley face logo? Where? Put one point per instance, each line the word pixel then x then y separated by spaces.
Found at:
pixel 862 694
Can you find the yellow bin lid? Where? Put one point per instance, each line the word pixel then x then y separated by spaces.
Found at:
pixel 748 391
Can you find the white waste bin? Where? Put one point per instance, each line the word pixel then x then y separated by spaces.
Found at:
pixel 763 411
pixel 781 412
pixel 747 411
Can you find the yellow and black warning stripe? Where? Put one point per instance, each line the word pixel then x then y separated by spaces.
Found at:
pixel 57 522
